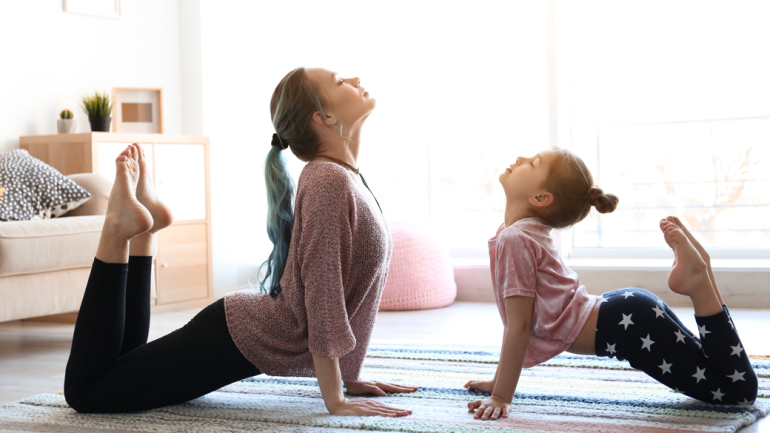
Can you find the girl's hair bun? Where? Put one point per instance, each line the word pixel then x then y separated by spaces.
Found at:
pixel 604 203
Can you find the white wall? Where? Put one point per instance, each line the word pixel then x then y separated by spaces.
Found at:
pixel 432 68
pixel 49 58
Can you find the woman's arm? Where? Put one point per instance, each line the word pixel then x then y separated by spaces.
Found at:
pixel 330 381
pixel 518 311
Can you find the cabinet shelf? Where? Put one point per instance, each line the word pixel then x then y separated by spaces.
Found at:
pixel 183 275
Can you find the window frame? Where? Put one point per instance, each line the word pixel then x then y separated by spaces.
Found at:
pixel 560 135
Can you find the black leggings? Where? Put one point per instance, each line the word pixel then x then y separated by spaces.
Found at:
pixel 638 326
pixel 113 369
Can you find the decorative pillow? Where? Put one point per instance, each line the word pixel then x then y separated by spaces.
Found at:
pixel 421 275
pixel 34 189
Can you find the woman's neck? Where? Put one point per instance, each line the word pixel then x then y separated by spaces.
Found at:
pixel 343 149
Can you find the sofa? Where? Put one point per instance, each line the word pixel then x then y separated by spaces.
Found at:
pixel 44 264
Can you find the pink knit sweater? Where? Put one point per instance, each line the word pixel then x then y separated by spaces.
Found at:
pixel 338 261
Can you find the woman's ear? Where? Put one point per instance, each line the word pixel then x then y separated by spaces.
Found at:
pixel 318 118
pixel 541 200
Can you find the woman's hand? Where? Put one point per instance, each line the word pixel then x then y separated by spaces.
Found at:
pixel 372 387
pixel 367 407
pixel 490 408
pixel 480 385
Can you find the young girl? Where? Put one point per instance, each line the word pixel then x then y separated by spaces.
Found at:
pixel 546 311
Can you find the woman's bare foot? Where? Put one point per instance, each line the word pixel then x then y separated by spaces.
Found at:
pixel 689 273
pixel 125 214
pixel 126 218
pixel 702 251
pixel 147 196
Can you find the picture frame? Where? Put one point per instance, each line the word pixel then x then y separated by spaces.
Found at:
pixel 98 8
pixel 137 109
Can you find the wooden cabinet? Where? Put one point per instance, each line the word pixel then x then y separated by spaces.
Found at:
pixel 182 264
pixel 180 165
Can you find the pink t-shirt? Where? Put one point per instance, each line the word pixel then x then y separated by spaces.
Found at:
pixel 524 262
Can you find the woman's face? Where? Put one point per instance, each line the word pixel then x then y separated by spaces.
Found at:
pixel 344 98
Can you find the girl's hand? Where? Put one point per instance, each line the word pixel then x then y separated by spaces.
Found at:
pixel 372 387
pixel 480 385
pixel 490 408
pixel 367 407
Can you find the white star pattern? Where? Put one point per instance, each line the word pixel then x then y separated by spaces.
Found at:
pixel 603 300
pixel 647 343
pixel 626 320
pixel 611 349
pixel 699 374
pixel 746 402
pixel 718 394
pixel 658 312
pixel 627 294
pixel 703 331
pixel 665 367
pixel 737 376
pixel 679 336
pixel 737 350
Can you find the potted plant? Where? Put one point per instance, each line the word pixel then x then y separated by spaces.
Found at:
pixel 66 122
pixel 98 107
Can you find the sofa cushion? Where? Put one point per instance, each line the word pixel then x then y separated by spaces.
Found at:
pixel 99 187
pixel 48 245
pixel 34 189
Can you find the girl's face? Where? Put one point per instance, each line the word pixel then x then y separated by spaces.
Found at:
pixel 524 179
pixel 346 101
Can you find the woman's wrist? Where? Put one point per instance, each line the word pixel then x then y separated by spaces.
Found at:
pixel 333 403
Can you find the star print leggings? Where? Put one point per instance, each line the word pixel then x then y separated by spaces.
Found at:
pixel 637 326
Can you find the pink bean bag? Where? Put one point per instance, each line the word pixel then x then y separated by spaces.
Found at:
pixel 421 275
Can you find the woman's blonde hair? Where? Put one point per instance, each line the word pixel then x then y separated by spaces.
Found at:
pixel 294 101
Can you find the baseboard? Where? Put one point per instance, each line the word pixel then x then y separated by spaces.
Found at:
pixel 54 318
pixel 739 288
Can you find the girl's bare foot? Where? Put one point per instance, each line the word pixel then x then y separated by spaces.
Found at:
pixel 126 217
pixel 689 273
pixel 147 196
pixel 702 251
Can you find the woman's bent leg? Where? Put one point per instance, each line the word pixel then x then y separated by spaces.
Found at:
pixel 137 302
pixel 98 335
pixel 140 257
pixel 185 364
pixel 713 369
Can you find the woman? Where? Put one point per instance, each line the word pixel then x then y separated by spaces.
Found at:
pixel 327 271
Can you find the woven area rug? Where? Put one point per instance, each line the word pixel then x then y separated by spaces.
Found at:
pixel 570 394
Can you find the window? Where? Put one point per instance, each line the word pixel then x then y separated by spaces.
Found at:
pixel 669 105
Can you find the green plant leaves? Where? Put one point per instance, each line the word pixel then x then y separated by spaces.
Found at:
pixel 97 105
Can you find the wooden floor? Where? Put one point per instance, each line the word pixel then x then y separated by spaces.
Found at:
pixel 33 354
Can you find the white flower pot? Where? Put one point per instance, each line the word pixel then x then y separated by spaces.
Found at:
pixel 65 126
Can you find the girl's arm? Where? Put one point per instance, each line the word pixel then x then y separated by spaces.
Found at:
pixel 518 311
pixel 330 381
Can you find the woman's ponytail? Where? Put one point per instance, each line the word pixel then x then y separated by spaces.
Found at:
pixel 294 101
pixel 280 219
